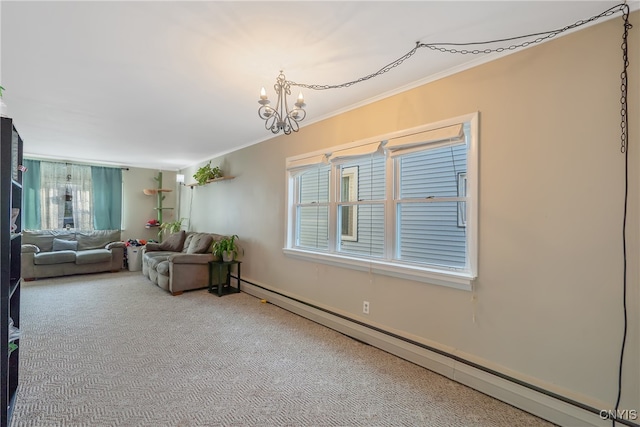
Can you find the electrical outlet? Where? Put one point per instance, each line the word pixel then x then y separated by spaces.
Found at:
pixel 365 307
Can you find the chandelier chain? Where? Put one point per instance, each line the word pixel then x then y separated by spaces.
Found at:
pixel 624 148
pixel 624 124
pixel 443 47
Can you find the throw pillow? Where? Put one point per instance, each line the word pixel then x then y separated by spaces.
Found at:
pixel 187 242
pixel 200 244
pixel 64 245
pixel 173 242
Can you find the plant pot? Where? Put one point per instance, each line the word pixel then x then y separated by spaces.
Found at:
pixel 227 256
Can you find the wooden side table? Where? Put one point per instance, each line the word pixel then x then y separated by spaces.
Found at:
pixel 223 287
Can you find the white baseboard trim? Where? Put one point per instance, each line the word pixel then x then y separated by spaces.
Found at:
pixel 443 361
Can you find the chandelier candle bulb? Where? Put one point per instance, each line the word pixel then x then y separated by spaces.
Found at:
pixel 263 94
pixel 300 102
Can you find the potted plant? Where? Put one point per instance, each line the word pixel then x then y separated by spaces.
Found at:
pixel 226 248
pixel 206 173
pixel 172 227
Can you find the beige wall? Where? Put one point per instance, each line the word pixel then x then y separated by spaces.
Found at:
pixel 139 208
pixel 547 303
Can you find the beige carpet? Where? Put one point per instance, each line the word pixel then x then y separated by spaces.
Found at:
pixel 115 350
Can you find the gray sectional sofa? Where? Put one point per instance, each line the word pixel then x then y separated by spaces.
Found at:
pixel 181 262
pixel 52 253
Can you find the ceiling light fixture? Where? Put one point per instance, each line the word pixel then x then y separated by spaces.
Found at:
pixel 280 118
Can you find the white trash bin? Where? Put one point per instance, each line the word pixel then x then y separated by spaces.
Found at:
pixel 134 258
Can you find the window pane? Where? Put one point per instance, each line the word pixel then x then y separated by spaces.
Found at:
pixel 313 227
pixel 349 222
pixel 348 218
pixel 68 207
pixel 370 231
pixel 462 206
pixel 66 191
pixel 366 178
pixel 432 172
pixel 429 233
pixel 314 185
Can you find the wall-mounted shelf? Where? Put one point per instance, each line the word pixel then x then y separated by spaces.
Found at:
pixel 222 178
pixel 154 191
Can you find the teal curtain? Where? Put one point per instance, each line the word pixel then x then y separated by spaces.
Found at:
pixel 31 219
pixel 107 197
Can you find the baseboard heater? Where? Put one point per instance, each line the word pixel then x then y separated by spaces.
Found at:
pixel 586 414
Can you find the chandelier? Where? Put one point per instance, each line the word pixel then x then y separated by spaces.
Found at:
pixel 281 118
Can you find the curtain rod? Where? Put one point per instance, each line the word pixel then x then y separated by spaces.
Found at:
pixel 67 162
pixel 114 167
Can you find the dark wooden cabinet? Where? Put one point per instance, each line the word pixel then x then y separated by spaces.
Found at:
pixel 10 246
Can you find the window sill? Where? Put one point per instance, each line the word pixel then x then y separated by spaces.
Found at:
pixel 451 279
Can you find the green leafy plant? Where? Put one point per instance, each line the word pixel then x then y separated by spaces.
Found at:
pixel 226 244
pixel 1 89
pixel 206 172
pixel 172 227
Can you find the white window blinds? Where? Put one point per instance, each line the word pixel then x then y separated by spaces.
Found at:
pixel 300 164
pixel 408 143
pixel 359 151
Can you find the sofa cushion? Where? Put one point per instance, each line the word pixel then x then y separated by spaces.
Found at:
pixel 163 268
pixel 92 256
pixel 44 238
pixel 58 257
pixel 187 242
pixel 153 262
pixel 64 245
pixel 200 243
pixel 173 242
pixel 96 239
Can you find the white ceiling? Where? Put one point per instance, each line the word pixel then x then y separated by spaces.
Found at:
pixel 165 85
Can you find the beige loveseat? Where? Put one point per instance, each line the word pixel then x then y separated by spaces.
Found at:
pixel 52 253
pixel 181 262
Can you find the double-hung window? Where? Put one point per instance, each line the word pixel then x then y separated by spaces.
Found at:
pixel 312 209
pixel 403 204
pixel 65 195
pixel 360 200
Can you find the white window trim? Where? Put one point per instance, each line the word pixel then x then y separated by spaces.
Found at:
pixel 453 279
pixel 462 192
pixel 352 176
pixel 458 279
